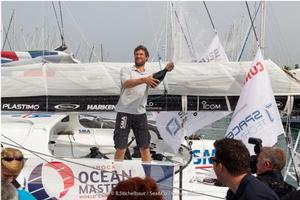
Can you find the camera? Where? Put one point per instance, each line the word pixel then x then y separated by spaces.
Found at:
pixel 253 159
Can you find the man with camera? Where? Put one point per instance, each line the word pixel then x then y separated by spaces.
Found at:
pixel 232 166
pixel 270 162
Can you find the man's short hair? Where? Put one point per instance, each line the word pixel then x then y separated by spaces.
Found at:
pixel 143 48
pixel 233 154
pixel 276 156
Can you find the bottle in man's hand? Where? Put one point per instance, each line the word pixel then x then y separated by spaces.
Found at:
pixel 160 75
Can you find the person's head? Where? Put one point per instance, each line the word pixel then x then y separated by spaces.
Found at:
pixel 12 162
pixel 8 191
pixel 270 158
pixel 136 188
pixel 231 156
pixel 141 55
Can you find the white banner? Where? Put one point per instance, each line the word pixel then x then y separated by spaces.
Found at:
pixel 215 52
pixel 174 126
pixel 170 127
pixel 256 113
pixel 87 178
pixel 297 163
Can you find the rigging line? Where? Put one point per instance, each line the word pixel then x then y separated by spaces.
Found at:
pixel 77 50
pixel 185 37
pixel 8 42
pixel 6 35
pixel 164 83
pixel 157 36
pixel 289 142
pixel 281 40
pixel 59 28
pixel 248 33
pixel 211 21
pixel 256 38
pixel 189 34
pixel 92 53
pixel 80 30
pixel 61 21
pixel 157 42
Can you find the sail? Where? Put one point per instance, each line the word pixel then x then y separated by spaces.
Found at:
pixel 96 86
pixel 215 52
pixel 174 126
pixel 256 114
pixel 296 73
pixel 180 40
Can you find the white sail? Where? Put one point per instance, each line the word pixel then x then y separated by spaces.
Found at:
pixel 215 52
pixel 174 126
pixel 203 79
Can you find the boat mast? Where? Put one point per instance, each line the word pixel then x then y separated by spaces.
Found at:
pixel 263 26
pixel 211 21
pixel 247 36
pixel 255 34
pixel 6 32
pixel 60 27
pixel 166 49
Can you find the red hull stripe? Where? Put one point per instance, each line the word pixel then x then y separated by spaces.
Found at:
pixel 204 167
pixel 9 54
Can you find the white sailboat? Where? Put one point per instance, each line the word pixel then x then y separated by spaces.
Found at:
pixel 53 134
pixel 94 87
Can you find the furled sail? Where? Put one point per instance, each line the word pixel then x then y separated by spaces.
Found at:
pixel 96 86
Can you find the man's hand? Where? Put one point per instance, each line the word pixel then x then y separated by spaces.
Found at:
pixel 151 82
pixel 170 66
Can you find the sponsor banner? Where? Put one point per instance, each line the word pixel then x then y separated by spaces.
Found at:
pixel 23 103
pixel 108 103
pixel 206 103
pixel 202 151
pixel 174 126
pixel 170 127
pixel 163 102
pixel 92 180
pixel 84 103
pixel 256 113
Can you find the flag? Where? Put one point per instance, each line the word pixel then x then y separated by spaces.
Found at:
pixel 174 126
pixel 170 127
pixel 215 52
pixel 256 113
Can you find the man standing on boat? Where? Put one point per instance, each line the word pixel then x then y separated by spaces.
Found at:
pixel 131 107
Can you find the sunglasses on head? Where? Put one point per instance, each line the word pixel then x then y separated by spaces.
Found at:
pixel 9 159
pixel 214 160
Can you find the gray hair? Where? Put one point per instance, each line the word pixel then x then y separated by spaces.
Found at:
pixel 276 156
